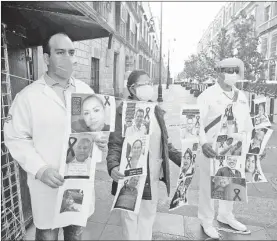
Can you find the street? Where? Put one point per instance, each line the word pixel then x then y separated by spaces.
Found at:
pixel 259 214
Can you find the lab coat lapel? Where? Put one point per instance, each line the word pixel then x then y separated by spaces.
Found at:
pixel 52 95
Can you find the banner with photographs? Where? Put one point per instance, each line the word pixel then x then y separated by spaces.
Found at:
pixel 231 145
pixel 259 140
pixel 228 123
pixel 92 113
pixel 190 121
pixel 134 165
pixel 228 188
pixel 74 203
pixel 228 166
pixel 253 169
pixel 134 153
pixel 129 193
pixel 136 118
pixel 78 159
pixel 187 170
pixel 260 118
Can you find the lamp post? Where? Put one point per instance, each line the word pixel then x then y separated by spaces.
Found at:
pixel 160 88
pixel 168 66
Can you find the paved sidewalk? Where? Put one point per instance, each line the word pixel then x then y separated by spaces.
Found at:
pixel 182 224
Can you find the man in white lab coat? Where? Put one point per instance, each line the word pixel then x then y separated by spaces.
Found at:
pixel 36 130
pixel 213 102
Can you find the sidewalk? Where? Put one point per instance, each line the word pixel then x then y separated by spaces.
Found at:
pixel 182 224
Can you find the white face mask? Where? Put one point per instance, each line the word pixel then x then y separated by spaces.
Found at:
pixel 144 92
pixel 231 79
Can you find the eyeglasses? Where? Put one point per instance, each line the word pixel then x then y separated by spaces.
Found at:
pixel 228 70
pixel 150 83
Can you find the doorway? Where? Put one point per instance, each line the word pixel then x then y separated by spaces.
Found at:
pixel 115 84
pixel 94 83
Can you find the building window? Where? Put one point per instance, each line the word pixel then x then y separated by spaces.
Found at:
pixel 117 16
pixel 140 62
pixel 264 47
pixel 267 13
pixel 275 9
pixel 273 45
pixel 272 69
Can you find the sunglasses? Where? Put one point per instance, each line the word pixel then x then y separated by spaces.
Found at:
pixel 228 70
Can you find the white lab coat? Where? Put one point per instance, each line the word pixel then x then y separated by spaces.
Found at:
pixel 35 137
pixel 212 103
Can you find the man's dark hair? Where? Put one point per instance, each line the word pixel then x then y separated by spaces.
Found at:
pixel 140 110
pixel 133 78
pixel 46 46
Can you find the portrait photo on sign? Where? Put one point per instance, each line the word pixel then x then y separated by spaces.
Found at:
pixel 228 189
pixel 228 123
pixel 134 153
pixel 72 200
pixel 187 170
pixel 129 193
pixel 136 118
pixel 253 169
pixel 259 140
pixel 190 121
pixel 74 203
pixel 79 163
pixel 92 113
pixel 260 118
pixel 231 145
pixel 228 166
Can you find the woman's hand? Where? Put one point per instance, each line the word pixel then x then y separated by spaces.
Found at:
pixel 116 174
pixel 102 142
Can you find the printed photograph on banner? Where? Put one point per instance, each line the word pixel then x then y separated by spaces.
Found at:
pixel 228 123
pixel 136 118
pixel 231 145
pixel 134 153
pixel 259 140
pixel 79 162
pixel 129 193
pixel 260 118
pixel 72 200
pixel 253 169
pixel 75 203
pixel 190 121
pixel 228 189
pixel 187 170
pixel 228 166
pixel 92 113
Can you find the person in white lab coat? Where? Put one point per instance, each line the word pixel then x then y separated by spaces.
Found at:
pixel 36 130
pixel 213 102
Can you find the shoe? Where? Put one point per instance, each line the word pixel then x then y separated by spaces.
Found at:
pixel 210 231
pixel 231 221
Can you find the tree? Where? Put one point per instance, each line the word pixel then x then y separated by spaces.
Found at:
pixel 246 42
pixel 223 47
pixel 199 67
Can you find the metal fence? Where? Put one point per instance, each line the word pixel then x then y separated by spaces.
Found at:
pixel 12 221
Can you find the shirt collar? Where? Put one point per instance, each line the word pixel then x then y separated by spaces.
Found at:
pixel 51 82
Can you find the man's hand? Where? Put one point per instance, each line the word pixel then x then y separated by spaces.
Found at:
pixel 116 175
pixel 208 151
pixel 52 178
pixel 102 142
pixel 263 155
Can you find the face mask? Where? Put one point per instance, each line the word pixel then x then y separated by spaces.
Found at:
pixel 64 68
pixel 231 79
pixel 144 92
